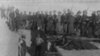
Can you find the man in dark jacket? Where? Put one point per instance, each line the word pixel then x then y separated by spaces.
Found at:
pixel 34 33
pixel 84 24
pixel 37 50
pixel 92 25
pixel 64 21
pixel 42 47
pixel 97 24
pixel 77 22
pixel 71 19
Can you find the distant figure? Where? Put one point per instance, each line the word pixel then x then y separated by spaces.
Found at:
pixel 71 20
pixel 34 33
pixel 77 23
pixel 59 26
pixel 64 21
pixel 93 19
pixel 84 24
pixel 97 28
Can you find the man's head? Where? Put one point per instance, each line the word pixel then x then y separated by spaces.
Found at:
pixel 69 11
pixel 17 11
pixel 59 13
pixel 54 12
pixel 41 12
pixel 25 13
pixel 38 12
pixel 50 12
pixel 30 13
pixel 94 13
pixel 78 13
pixel 46 13
pixel 64 11
pixel 85 12
pixel 33 13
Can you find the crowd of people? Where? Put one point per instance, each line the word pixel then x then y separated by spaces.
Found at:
pixel 58 23
pixel 43 24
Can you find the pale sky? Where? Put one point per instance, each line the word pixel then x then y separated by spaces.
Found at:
pixel 46 5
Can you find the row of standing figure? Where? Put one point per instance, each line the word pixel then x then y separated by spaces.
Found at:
pixel 66 23
pixel 82 23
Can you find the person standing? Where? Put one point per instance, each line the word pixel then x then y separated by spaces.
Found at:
pixel 17 20
pixel 92 25
pixel 41 43
pixel 84 24
pixel 64 21
pixel 34 33
pixel 71 19
pixel 77 23
pixel 59 26
pixel 54 22
pixel 97 20
pixel 46 16
pixel 11 21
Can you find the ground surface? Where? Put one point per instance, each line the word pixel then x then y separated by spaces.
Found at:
pixel 79 53
pixel 8 40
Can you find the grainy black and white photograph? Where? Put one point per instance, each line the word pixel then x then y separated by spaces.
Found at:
pixel 49 27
